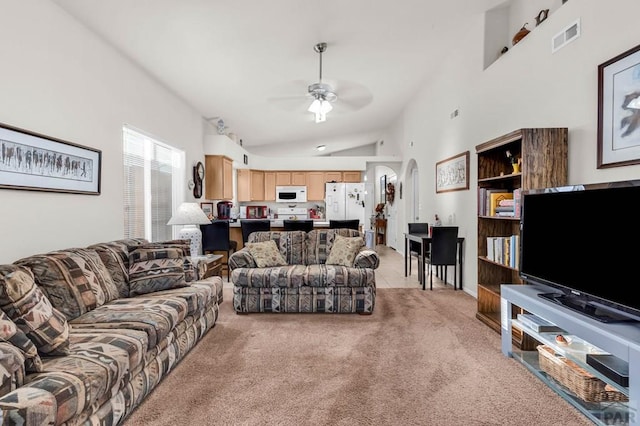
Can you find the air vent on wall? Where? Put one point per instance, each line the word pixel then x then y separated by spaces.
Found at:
pixel 565 37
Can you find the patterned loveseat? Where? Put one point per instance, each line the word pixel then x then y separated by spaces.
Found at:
pixel 87 333
pixel 324 270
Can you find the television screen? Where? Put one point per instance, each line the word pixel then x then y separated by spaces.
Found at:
pixel 582 241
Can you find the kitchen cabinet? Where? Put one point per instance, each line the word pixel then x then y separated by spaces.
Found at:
pixel 250 185
pixel 352 176
pixel 269 186
pixel 218 177
pixel 299 178
pixel 333 177
pixel 315 186
pixel 283 178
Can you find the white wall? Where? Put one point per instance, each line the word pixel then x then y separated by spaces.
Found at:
pixel 527 87
pixel 61 81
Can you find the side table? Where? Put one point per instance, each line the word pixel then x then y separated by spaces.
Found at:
pixel 207 265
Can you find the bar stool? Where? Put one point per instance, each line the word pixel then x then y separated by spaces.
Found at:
pixel 215 237
pixel 253 225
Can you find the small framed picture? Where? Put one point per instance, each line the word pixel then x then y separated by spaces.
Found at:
pixel 246 159
pixel 619 110
pixel 207 208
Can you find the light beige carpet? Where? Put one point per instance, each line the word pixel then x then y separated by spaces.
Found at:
pixel 420 359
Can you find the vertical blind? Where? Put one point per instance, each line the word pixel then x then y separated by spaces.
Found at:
pixel 153 178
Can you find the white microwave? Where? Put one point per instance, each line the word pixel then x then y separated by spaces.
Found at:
pixel 291 194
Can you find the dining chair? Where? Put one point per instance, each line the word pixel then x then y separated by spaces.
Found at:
pixel 414 247
pixel 215 237
pixel 349 224
pixel 443 252
pixel 253 225
pixel 298 225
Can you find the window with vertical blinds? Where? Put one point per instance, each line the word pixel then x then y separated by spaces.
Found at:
pixel 153 178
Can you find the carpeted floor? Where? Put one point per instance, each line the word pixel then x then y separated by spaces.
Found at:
pixel 420 359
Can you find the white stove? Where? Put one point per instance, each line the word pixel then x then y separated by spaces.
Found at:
pixel 293 213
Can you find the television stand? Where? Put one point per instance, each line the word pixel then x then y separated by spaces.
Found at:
pixel 620 339
pixel 583 306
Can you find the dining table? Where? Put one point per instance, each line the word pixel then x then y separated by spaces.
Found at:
pixel 424 239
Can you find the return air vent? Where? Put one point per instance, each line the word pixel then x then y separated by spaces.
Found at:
pixel 565 37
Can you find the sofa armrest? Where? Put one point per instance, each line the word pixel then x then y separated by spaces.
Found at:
pixel 23 405
pixel 241 259
pixel 366 258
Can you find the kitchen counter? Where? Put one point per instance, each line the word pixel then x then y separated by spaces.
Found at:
pixel 278 223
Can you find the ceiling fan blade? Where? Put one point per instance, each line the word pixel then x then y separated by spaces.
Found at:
pixel 353 96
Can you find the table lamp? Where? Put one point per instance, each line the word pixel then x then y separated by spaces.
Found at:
pixel 190 215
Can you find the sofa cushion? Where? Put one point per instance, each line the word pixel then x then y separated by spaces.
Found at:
pixel 344 250
pixel 198 294
pixel 32 312
pixel 292 244
pixel 156 316
pixel 115 257
pixel 339 276
pixel 11 334
pixel 266 254
pixel 279 276
pixel 75 280
pixel 155 269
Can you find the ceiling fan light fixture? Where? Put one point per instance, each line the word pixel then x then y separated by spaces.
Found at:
pixel 321 147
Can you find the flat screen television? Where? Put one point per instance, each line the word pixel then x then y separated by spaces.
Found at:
pixel 583 241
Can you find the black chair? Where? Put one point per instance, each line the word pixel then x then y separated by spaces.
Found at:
pixel 349 224
pixel 443 252
pixel 414 246
pixel 215 237
pixel 253 225
pixel 298 225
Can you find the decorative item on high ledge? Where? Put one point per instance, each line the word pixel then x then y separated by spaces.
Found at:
pixel 521 34
pixel 544 13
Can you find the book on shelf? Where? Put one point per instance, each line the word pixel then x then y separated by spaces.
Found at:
pixel 491 248
pixel 506 202
pixel 495 198
pixel 517 197
pixel 538 324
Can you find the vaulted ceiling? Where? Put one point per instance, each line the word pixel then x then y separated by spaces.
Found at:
pixel 249 62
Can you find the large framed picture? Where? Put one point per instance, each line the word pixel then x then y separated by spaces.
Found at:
pixel 452 174
pixel 41 163
pixel 619 110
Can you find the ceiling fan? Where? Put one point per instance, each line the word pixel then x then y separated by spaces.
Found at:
pixel 324 96
pixel 322 93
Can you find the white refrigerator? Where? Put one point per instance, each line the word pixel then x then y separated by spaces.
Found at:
pixel 344 201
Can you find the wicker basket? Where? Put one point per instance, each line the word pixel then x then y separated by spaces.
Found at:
pixel 579 381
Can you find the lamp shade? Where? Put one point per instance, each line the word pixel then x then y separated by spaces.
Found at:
pixel 189 214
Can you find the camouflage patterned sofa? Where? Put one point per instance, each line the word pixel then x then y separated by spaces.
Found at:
pixel 87 333
pixel 324 270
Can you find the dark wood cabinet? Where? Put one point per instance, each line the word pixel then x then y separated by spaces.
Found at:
pixel 543 156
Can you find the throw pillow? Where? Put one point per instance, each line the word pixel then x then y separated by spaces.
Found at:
pixel 187 264
pixel 344 250
pixel 266 254
pixel 32 312
pixel 155 269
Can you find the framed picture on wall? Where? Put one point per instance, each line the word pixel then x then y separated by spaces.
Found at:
pixel 41 163
pixel 207 208
pixel 452 174
pixel 619 110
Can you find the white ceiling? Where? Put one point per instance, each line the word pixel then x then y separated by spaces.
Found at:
pixel 250 62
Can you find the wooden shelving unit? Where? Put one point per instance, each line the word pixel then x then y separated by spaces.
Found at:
pixel 543 153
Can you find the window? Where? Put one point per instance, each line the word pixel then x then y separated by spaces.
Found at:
pixel 153 182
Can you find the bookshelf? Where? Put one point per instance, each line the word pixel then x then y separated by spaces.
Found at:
pixel 543 153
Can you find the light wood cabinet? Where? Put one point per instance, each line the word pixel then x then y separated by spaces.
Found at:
pixel 299 178
pixel 250 185
pixel 543 153
pixel 333 176
pixel 283 178
pixel 315 186
pixel 352 176
pixel 218 177
pixel 269 186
